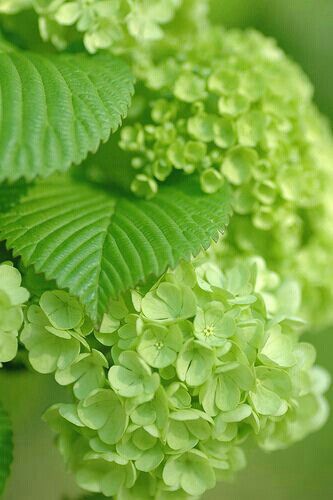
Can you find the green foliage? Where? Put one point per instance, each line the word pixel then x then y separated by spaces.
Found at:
pixel 199 363
pixel 12 298
pixel 58 109
pixel 6 447
pixel 99 244
pixel 10 194
pixel 172 364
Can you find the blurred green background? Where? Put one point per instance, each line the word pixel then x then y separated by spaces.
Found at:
pixel 304 28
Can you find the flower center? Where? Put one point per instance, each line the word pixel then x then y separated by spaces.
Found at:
pixel 159 345
pixel 208 331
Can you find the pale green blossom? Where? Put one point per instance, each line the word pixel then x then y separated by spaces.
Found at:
pixel 12 299
pixel 207 357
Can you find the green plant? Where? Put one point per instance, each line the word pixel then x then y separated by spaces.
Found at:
pixel 169 267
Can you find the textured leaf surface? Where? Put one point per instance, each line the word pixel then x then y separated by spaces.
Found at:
pixel 99 244
pixel 10 194
pixel 54 110
pixel 6 447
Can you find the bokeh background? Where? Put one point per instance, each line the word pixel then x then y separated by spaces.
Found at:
pixel 304 29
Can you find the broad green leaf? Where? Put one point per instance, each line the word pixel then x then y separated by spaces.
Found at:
pixel 6 447
pixel 57 109
pixel 10 194
pixel 99 244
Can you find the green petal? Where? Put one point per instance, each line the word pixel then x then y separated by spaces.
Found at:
pixel 190 88
pixel 238 165
pixel 150 460
pixel 8 346
pixel 265 401
pixel 211 181
pixel 278 350
pixel 159 345
pixel 125 382
pixel 169 302
pixel 227 393
pixel 103 411
pixel 240 413
pixel 194 363
pixel 63 310
pixel 178 436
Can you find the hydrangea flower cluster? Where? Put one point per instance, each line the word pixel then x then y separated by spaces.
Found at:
pixel 233 120
pixel 102 23
pixel 54 332
pixel 215 103
pixel 12 298
pixel 178 378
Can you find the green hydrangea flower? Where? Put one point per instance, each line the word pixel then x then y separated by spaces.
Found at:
pixel 86 373
pixel 208 357
pixel 54 333
pixel 246 119
pixel 12 298
pixel 229 107
pixel 191 472
pixel 104 24
pixel 196 128
pixel 103 411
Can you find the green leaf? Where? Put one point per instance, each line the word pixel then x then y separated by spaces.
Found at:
pixel 57 109
pixel 99 244
pixel 6 447
pixel 10 194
